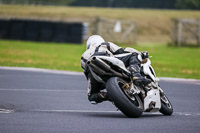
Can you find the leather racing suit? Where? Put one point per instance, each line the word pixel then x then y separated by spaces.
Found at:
pixel 130 57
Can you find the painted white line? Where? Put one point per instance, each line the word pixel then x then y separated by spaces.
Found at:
pixel 92 111
pixel 76 111
pixel 51 90
pixel 188 114
pixel 179 113
pixel 41 70
pixel 6 111
pixel 156 113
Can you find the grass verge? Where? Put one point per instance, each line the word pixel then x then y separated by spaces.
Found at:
pixel 167 61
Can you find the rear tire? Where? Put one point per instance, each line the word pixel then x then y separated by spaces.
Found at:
pixel 131 107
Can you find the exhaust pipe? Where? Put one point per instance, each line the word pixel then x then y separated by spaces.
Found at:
pixel 100 64
pixel 104 69
pixel 122 75
pixel 97 69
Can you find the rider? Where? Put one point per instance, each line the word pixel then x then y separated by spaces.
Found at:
pixel 96 45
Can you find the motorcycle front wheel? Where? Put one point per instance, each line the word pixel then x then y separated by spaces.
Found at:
pixel 130 105
pixel 166 106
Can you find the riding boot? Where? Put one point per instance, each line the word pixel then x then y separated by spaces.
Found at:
pixel 98 97
pixel 137 77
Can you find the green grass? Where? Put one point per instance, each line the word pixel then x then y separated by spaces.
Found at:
pixel 41 55
pixel 152 25
pixel 168 61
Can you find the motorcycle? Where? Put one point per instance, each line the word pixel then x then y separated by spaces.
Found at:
pixel 130 98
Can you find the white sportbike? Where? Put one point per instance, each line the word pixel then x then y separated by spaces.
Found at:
pixel 129 98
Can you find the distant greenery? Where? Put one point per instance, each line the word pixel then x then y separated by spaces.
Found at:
pixel 159 4
pixel 167 61
pixel 169 4
pixel 152 25
pixel 188 4
pixel 42 2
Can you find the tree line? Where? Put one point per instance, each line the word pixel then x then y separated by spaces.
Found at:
pixel 155 4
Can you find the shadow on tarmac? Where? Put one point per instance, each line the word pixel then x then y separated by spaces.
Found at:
pixel 120 115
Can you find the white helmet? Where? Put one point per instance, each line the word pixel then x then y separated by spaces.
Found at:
pixel 94 41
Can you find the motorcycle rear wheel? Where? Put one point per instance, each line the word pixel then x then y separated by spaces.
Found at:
pixel 131 106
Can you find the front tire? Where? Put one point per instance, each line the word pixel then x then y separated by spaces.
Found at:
pixel 166 106
pixel 131 106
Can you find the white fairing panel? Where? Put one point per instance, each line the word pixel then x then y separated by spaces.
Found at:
pixel 147 71
pixel 152 96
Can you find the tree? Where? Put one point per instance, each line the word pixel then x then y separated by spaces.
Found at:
pixel 188 4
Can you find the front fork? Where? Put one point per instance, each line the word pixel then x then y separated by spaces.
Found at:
pixel 132 89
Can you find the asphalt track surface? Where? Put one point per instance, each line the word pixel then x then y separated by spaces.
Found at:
pixel 37 102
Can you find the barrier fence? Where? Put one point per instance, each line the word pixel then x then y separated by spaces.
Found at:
pixel 44 31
